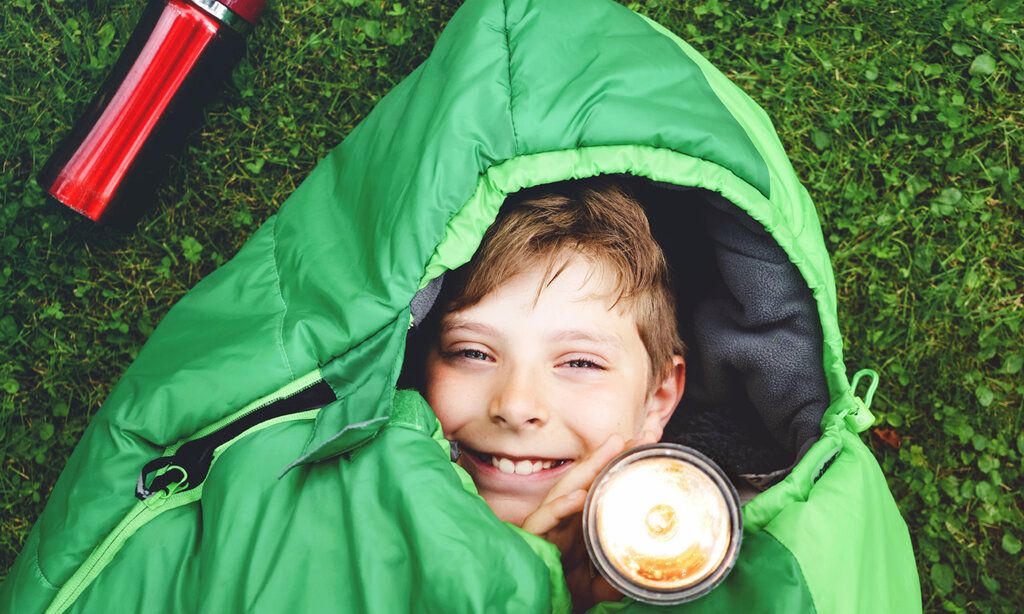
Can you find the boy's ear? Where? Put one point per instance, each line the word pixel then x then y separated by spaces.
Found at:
pixel 662 401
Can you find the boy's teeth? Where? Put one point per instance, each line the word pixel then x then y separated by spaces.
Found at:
pixel 523 467
pixel 506 466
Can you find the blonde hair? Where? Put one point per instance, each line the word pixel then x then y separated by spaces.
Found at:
pixel 596 219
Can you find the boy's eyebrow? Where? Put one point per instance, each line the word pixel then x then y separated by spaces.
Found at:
pixel 582 334
pixel 571 334
pixel 474 327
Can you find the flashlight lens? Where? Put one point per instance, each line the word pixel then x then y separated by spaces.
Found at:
pixel 662 524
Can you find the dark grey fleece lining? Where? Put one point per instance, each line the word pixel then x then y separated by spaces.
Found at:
pixel 756 386
pixel 423 300
pixel 767 330
pixel 756 389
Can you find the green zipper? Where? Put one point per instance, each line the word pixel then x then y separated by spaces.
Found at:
pixel 306 381
pixel 144 511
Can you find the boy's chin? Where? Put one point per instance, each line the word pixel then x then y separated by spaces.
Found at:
pixel 511 510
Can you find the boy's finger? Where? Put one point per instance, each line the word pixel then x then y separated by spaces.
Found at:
pixel 547 516
pixel 582 475
pixel 644 438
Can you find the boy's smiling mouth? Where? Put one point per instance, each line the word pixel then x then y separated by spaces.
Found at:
pixel 514 465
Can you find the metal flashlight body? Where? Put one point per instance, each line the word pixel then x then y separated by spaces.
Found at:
pixel 108 167
pixel 662 524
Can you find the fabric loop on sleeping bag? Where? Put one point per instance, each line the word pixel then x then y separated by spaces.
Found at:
pixel 363 392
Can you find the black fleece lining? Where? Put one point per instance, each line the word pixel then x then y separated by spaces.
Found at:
pixel 756 388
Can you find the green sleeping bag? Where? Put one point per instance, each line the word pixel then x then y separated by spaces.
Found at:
pixel 259 456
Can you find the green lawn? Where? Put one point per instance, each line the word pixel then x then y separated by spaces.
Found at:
pixel 904 120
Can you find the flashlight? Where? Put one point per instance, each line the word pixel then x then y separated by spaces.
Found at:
pixel 662 524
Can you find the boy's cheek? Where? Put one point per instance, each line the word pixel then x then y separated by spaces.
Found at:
pixel 435 380
pixel 446 396
pixel 464 377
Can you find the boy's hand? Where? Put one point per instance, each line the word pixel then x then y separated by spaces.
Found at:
pixel 558 520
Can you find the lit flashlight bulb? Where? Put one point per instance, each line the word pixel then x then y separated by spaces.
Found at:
pixel 663 524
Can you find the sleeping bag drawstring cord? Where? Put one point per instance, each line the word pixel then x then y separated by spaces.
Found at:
pixel 859 417
pixel 871 387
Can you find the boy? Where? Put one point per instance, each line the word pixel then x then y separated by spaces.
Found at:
pixel 555 349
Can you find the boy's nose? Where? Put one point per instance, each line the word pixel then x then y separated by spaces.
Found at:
pixel 518 404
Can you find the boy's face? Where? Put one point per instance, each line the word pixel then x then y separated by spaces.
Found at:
pixel 528 389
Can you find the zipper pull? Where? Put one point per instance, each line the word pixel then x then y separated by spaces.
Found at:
pixel 168 475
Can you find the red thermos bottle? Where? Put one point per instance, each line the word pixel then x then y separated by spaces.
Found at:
pixel 108 167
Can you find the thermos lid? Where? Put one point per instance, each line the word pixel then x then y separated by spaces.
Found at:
pixel 248 10
pixel 240 15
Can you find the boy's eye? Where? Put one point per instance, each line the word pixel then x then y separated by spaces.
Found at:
pixel 582 363
pixel 470 354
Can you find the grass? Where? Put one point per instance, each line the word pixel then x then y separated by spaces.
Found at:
pixel 903 119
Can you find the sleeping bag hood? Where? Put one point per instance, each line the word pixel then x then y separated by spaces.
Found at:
pixel 258 455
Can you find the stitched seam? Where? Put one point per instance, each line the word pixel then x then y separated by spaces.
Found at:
pixel 39 571
pixel 280 295
pixel 508 48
